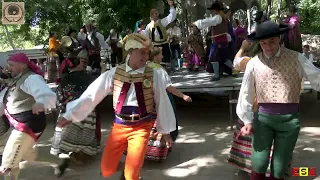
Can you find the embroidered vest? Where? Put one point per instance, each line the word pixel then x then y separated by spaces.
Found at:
pixel 219 32
pixel 277 79
pixel 143 84
pixel 17 100
pixel 92 48
pixel 161 31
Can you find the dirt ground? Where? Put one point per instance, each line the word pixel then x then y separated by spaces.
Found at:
pixel 200 152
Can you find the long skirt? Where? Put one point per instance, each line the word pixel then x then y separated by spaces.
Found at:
pixel 193 60
pixel 156 149
pixel 77 137
pixel 240 153
pixel 53 69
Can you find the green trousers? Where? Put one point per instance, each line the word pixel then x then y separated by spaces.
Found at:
pixel 283 131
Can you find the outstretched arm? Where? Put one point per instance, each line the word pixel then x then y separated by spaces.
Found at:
pixel 172 15
pixel 179 94
pixel 207 22
pixel 309 72
pixel 80 108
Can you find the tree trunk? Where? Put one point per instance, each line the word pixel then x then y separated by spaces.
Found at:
pixel 279 11
pixel 249 20
pixel 9 37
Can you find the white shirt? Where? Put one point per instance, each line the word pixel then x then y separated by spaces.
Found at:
pixel 115 37
pixel 82 36
pixel 35 86
pixel 99 36
pixel 80 108
pixel 210 21
pixel 306 70
pixel 164 22
pixel 310 58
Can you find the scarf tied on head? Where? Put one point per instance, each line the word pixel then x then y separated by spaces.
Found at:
pixel 23 58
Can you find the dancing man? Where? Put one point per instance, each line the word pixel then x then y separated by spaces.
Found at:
pixel 222 53
pixel 93 43
pixel 275 77
pixel 24 103
pixel 136 87
pixel 156 30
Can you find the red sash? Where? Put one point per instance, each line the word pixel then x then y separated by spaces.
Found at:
pixel 220 38
pixel 16 124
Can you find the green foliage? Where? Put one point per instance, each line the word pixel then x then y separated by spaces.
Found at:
pixel 44 16
pixel 310 16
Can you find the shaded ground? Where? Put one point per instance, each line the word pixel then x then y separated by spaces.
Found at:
pixel 201 149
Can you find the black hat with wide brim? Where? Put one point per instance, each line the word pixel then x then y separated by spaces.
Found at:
pixel 216 5
pixel 259 15
pixel 267 30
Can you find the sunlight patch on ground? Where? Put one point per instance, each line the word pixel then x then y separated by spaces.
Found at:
pixel 309 149
pixel 212 131
pixel 221 136
pixel 312 131
pixel 226 150
pixel 190 137
pixel 192 167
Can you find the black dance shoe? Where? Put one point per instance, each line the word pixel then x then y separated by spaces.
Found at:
pixel 59 171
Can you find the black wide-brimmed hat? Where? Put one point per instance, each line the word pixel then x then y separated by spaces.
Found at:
pixel 259 15
pixel 267 30
pixel 216 5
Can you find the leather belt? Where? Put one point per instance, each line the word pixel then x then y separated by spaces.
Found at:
pixel 131 118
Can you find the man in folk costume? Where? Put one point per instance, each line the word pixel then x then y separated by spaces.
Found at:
pixel 175 35
pixel 222 53
pixel 114 41
pixel 156 30
pixel 93 43
pixel 275 76
pixel 136 87
pixel 24 103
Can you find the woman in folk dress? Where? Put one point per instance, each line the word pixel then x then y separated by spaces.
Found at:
pixel 80 140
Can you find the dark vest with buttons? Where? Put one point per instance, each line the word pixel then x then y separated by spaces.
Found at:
pixel 143 84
